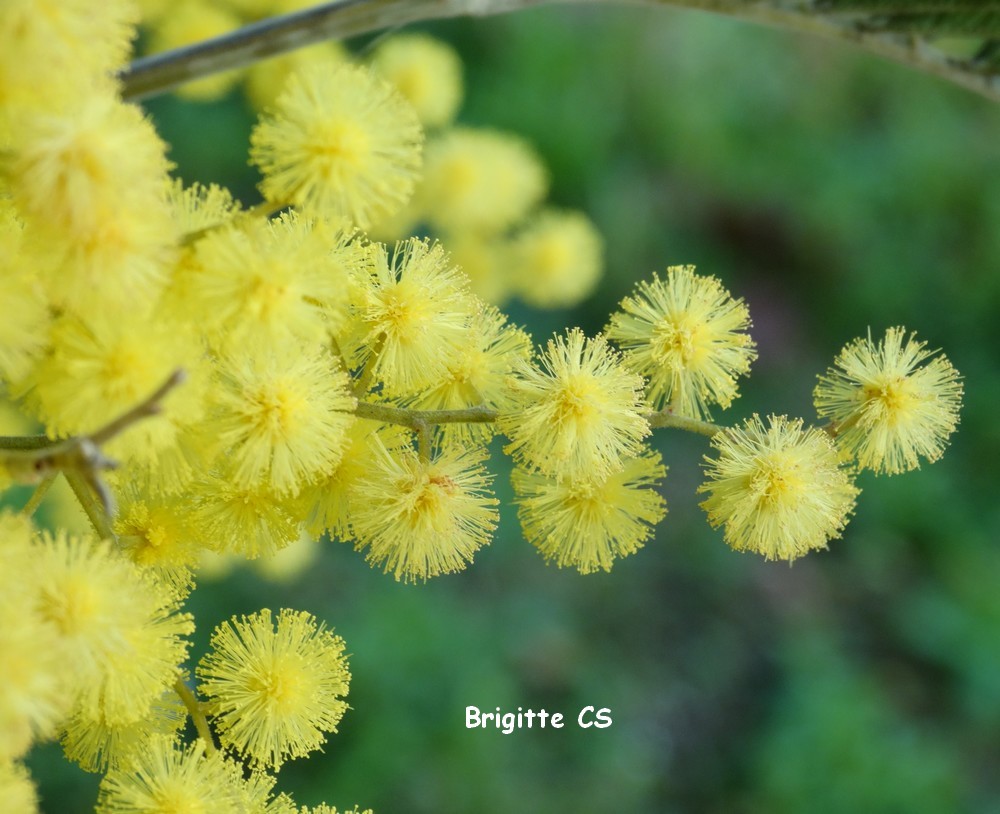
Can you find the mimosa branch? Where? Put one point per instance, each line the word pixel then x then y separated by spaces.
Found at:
pixel 883 27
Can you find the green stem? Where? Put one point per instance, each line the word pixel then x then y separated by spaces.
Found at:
pixel 415 419
pixel 90 503
pixel 38 495
pixel 665 418
pixel 364 382
pixel 425 445
pixel 193 706
pixel 23 442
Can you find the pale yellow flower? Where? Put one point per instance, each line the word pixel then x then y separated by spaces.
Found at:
pixel 275 688
pixel 579 412
pixel 777 490
pixel 687 336
pixel 890 403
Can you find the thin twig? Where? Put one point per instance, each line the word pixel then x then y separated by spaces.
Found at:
pixel 414 419
pixel 98 507
pixel 343 18
pixel 665 418
pixel 150 407
pixel 39 495
pixel 193 706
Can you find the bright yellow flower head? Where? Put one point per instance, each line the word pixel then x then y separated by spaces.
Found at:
pixel 274 691
pixel 778 490
pixel 98 746
pixel 101 367
pixel 271 279
pixel 34 695
pixel 557 259
pixel 159 534
pixel 167 778
pixel 413 314
pixel 119 630
pixel 339 142
pixel 480 180
pixel 24 327
pixel 588 522
pixel 578 413
pixel 90 184
pixel 280 414
pixel 891 403
pixel 418 518
pixel 426 71
pixel 249 521
pixel 687 336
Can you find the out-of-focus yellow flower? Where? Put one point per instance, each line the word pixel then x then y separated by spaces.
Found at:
pixel 687 336
pixel 891 403
pixel 588 522
pixel 777 490
pixel 480 180
pixel 426 71
pixel 17 789
pixel 120 630
pixel 339 142
pixel 578 413
pixel 557 259
pixel 274 691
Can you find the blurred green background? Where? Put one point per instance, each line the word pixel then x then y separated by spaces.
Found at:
pixel 833 191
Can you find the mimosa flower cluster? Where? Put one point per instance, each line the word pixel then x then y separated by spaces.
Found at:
pixel 334 385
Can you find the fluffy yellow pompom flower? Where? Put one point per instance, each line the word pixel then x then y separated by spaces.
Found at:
pixel 24 327
pixel 339 142
pixel 420 518
pixel 34 695
pixel 97 746
pixel 166 778
pixel 280 415
pixel 426 71
pixel 90 184
pixel 159 533
pixel 413 316
pixel 55 50
pixel 480 180
pixel 272 279
pixel 588 522
pixel 557 259
pixel 250 521
pixel 687 336
pixel 100 367
pixel 274 691
pixel 477 376
pixel 891 403
pixel 119 630
pixel 578 413
pixel 778 490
